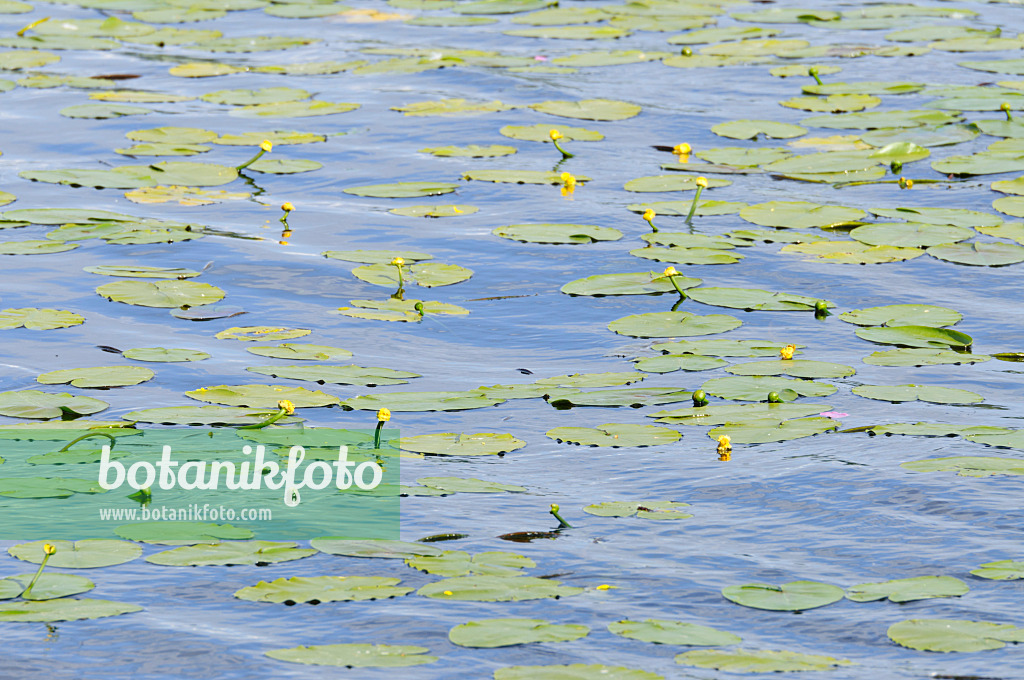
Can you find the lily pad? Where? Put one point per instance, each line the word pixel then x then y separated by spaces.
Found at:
pixel 978 254
pixel 952 635
pixel 541 133
pixel 955 216
pixel 39 319
pixel 1002 570
pixel 658 510
pixel 558 233
pixel 461 563
pixel 46 405
pixel 908 589
pixel 203 415
pixel 789 597
pixel 799 214
pixel 261 396
pixel 750 299
pixel 338 375
pixel 916 336
pixel 421 401
pixel 34 247
pixel 592 379
pixel 355 655
pixel 929 393
pixel 86 554
pixel 491 633
pixel 695 255
pixel 769 430
pixel 64 609
pixel 673 324
pixel 852 252
pixel 435 210
pixel 589 109
pixel 264 333
pixel 750 129
pixel 492 588
pixel 161 293
pixel 639 283
pixel 615 435
pixel 141 272
pixel 457 444
pixel 100 376
pixel 301 352
pixel 757 388
pixel 968 466
pixel 426 274
pixel 518 176
pixel 402 190
pixel 658 183
pixel 319 589
pixel 375 256
pixel 911 234
pixel 164 355
pixel 797 368
pixel 468 485
pixel 922 357
pixel 767 661
pixel 719 414
pixel 47 487
pixel 231 553
pixel 634 397
pixel 932 316
pixel 1013 439
pixel 181 533
pixel 48 586
pixel 665 632
pixel 373 548
pixel 668 363
pixel 723 348
pixel 471 151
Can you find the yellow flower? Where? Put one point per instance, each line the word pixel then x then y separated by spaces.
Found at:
pixel 455 209
pixel 682 149
pixel 605 586
pixel 447 592
pixel 287 207
pixel 724 444
pixel 286 406
pixel 568 179
pixel 49 549
pixel 906 183
pixel 787 351
pixel 398 262
pixel 266 145
pixel 670 271
pixel 555 135
pixel 702 182
pixel 649 214
pixel 384 415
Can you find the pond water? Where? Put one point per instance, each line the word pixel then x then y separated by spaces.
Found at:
pixel 835 508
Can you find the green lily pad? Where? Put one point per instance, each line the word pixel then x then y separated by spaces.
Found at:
pixel 300 352
pixel 164 355
pixel 908 589
pixel 605 58
pixel 954 216
pixel 518 176
pixel 767 661
pixel 468 485
pixel 789 597
pixel 181 533
pixel 903 315
pixel 614 435
pixel 460 563
pixel 263 95
pixel 685 240
pixel 668 363
pixel 426 274
pixel 634 397
pixel 1013 439
pixel 799 214
pixel 39 319
pixel 592 379
pixel 457 444
pixel 682 208
pixel 141 272
pixel 929 393
pixel 741 156
pixel 1011 205
pixel 757 388
pixel 852 252
pixel 402 190
pixel 769 430
pixel 910 234
pixel 874 120
pixel 471 151
pixel 673 324
pixel 491 633
pixel 922 357
pixel 434 210
pixel 557 233
pixel 137 176
pixel 797 368
pixel 541 133
pixel 696 255
pixel 968 466
pixel 952 635
pixel 46 405
pixel 375 256
pixel 300 109
pixel 338 375
pixel 574 33
pixel 34 247
pixel 46 487
pixel 983 163
pixel 936 429
pixel 750 129
pixel 576 671
pixel 319 589
pixel 231 553
pixel 103 111
pixel 1002 570
pixel 873 87
pixel 665 632
pixel 100 376
pixel 261 396
pixel 833 103
pixel 373 548
pixel 276 137
pixel 172 135
pixel 451 107
pixel 492 588
pixel 421 401
pixel 277 166
pixel 940 135
pixel 639 283
pixel 750 299
pixel 978 254
pixel 265 333
pixel 355 655
pixel 203 415
pixel 723 348
pixel 399 310
pixel 64 609
pixel 161 293
pixel 86 554
pixel 659 510
pixel 48 587
pixel 589 109
pixel 657 183
pixel 916 336
pixel 719 414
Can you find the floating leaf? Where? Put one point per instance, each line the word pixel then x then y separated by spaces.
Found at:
pixel 697 255
pixel 952 635
pixel 451 107
pixel 750 299
pixel 261 396
pixel 592 379
pixel 421 401
pixel 744 661
pixel 916 336
pixel 467 485
pixel 932 316
pixel 852 252
pixel 490 633
pixel 45 405
pixel 497 589
pixel 141 272
pixel 257 553
pixel 955 216
pixel 375 256
pixel 757 388
pixel 557 233
pixel 38 319
pixel 402 190
pixel 457 444
pixel 161 293
pixel 102 111
pixel 799 214
pixel 34 247
pixel 769 430
pixel 355 655
pixel 47 487
pixel 929 393
pixel 750 129
pixel 203 415
pixel 518 176
pixel 64 609
pixel 320 589
pixel 978 254
pixel 47 587
pixel 162 354
pixel 873 120
pixel 1002 570
pixel 460 563
pixel 723 348
pixel 100 376
pixel 922 357
pixel 426 274
pixel 797 368
pixel 541 133
pixel 936 429
pixel 86 554
pixel 639 283
pixel 435 210
pixel 673 324
pixel 181 533
pixel 634 397
pixel 664 632
pixel 833 103
pixel 471 151
pixel 968 466
pixel 908 589
pixel 589 109
pixel 644 510
pixel 789 597
pixel 264 333
pixel 910 234
pixel 659 183
pixel 373 548
pixel 614 435
pixel 1014 439
pixel 719 414
pixel 338 375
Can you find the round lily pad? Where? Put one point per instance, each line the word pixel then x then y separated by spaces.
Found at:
pixel 968 466
pixel 794 596
pixel 261 396
pixel 339 375
pixel 162 354
pixel 471 151
pixel 203 415
pixel 639 283
pixel 757 387
pixel 264 333
pixel 799 214
pixel 614 435
pixel 658 510
pixel 64 609
pixel 589 109
pixel 181 533
pixel 770 430
pixel 979 254
pixel 922 357
pixel 908 589
pixel 903 315
pixel 39 319
pixel 491 588
pixel 750 299
pixel 421 401
pixel 797 368
pixel 373 548
pixel 468 485
pixel 749 661
pixel 673 324
pixel 1001 570
pixel 46 405
pixel 453 444
pixel 750 129
pixel 355 655
pixel 953 635
pixel 461 563
pixel 910 234
pixel 929 393
pixel 435 210
pixel 161 293
pixel 490 633
pixel 85 554
pixel 665 632
pixel 402 190
pixel 557 233
pixel 318 589
pixel 541 133
pixel 916 336
pixel 100 376
pixel 230 553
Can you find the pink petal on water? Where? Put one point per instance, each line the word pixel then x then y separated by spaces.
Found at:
pixel 833 414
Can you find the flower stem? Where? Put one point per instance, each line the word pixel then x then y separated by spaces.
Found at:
pixel 693 206
pixel 243 166
pixel 565 154
pixel 39 572
pixel 562 523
